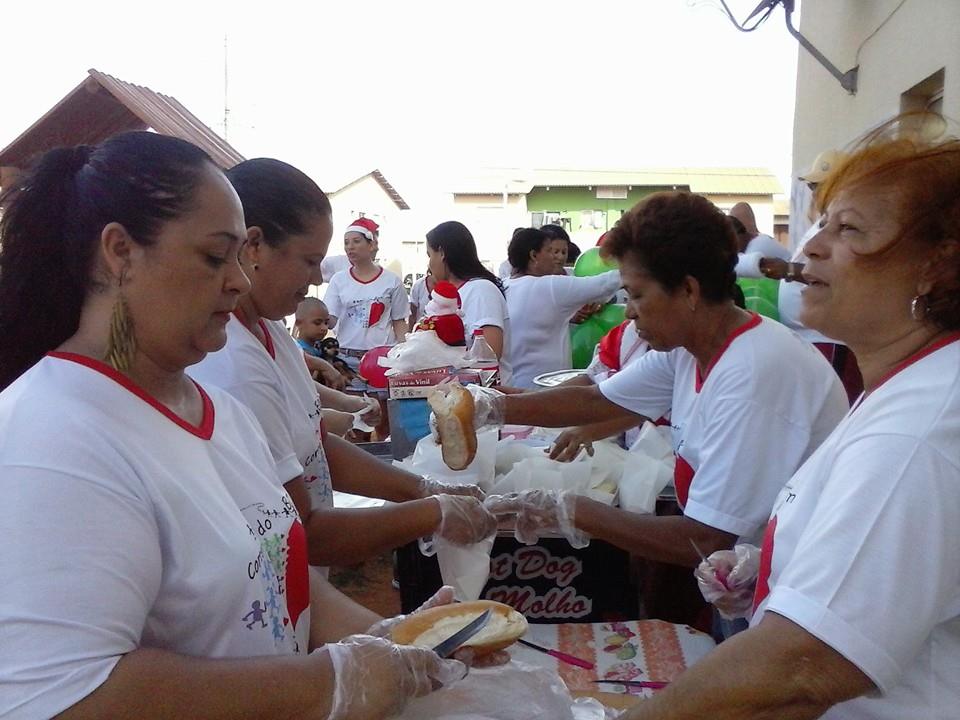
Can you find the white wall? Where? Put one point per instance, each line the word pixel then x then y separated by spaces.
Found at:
pixel 919 39
pixel 368 198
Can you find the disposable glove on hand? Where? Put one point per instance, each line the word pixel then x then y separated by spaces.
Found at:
pixel 540 513
pixel 431 486
pixel 728 578
pixel 374 678
pixel 464 519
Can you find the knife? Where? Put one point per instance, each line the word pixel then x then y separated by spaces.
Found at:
pixel 651 684
pixel 445 649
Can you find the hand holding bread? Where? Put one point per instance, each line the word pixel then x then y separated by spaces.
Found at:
pixel 458 412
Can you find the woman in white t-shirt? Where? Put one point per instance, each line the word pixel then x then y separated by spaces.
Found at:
pixel 147 542
pixel 748 400
pixel 857 605
pixel 452 253
pixel 419 297
pixel 541 303
pixel 263 367
pixel 368 305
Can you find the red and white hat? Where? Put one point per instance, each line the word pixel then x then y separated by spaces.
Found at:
pixel 365 226
pixel 446 291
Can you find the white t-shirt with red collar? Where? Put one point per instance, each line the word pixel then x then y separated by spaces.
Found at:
pixel 863 548
pixel 617 349
pixel 767 401
pixel 482 304
pixel 127 527
pixel 273 382
pixel 365 310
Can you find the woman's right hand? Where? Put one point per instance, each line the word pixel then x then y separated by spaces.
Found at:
pixel 569 443
pixel 464 520
pixel 374 678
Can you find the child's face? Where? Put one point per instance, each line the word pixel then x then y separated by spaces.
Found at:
pixel 314 325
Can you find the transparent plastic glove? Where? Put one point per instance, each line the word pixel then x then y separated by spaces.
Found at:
pixel 728 580
pixel 369 414
pixel 489 409
pixel 464 520
pixel 431 486
pixel 540 512
pixel 383 628
pixel 374 678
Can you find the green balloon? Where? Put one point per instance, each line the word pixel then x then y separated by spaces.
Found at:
pixel 760 295
pixel 583 339
pixel 585 336
pixel 590 263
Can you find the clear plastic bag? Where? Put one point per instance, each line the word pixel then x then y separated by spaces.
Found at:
pixel 647 470
pixel 515 691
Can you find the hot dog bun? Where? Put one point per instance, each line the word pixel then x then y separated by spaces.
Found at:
pixel 453 407
pixel 430 627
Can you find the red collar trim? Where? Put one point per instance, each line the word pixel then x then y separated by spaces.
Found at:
pixel 267 340
pixel 750 324
pixel 919 355
pixel 366 282
pixel 204 430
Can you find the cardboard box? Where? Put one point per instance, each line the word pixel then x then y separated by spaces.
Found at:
pixel 408 386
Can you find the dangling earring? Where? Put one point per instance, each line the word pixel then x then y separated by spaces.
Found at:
pixel 919 308
pixel 121 343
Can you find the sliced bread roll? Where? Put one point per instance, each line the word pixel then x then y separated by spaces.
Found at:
pixel 429 628
pixel 452 405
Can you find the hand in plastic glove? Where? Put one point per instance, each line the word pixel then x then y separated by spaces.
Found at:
pixel 539 513
pixel 370 411
pixel 431 486
pixel 374 678
pixel 464 520
pixel 489 409
pixel 570 442
pixel 727 579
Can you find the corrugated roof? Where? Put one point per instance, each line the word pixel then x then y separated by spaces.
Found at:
pixel 383 182
pixel 713 181
pixel 102 106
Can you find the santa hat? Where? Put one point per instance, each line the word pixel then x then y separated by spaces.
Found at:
pixel 444 290
pixel 365 226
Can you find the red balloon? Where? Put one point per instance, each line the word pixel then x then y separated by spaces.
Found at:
pixel 371 371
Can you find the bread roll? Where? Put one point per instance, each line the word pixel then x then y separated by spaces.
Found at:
pixel 431 627
pixel 452 405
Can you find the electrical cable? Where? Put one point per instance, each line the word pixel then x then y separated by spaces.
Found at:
pixel 758 23
pixel 856 58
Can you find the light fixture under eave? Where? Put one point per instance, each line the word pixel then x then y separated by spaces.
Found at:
pixel 847 80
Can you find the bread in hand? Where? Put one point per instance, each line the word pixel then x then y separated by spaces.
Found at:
pixel 453 407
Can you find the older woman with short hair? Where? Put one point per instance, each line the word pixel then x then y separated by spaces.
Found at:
pixel 858 599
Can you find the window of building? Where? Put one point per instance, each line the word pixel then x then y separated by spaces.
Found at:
pixel 925 95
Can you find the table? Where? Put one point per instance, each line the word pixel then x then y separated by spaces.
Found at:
pixel 631 650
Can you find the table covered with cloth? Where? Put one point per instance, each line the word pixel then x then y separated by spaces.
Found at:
pixel 650 650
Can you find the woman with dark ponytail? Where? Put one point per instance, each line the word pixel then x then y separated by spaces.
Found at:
pixel 453 257
pixel 147 542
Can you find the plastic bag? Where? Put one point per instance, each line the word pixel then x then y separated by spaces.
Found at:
pixel 647 470
pixel 427 460
pixel 542 472
pixel 728 580
pixel 515 691
pixel 463 567
pixel 421 351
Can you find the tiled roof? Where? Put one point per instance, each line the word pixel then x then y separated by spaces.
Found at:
pixel 102 106
pixel 383 182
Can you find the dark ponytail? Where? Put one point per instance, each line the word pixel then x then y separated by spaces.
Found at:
pixel 277 198
pixel 53 215
pixel 460 252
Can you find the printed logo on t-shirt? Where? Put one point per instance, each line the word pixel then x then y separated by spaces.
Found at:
pixel 281 568
pixel 316 470
pixel 368 312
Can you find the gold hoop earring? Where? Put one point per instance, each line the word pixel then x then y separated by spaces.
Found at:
pixel 919 308
pixel 121 343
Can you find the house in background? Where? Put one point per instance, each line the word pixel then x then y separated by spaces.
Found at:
pixel 102 106
pixel 373 196
pixel 908 58
pixel 587 203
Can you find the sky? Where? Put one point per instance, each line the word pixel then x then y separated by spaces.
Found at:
pixel 427 91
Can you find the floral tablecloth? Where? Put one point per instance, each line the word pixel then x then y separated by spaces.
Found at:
pixel 635 650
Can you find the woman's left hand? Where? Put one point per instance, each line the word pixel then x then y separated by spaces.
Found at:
pixel 569 443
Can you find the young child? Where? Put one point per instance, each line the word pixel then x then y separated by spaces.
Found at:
pixel 311 325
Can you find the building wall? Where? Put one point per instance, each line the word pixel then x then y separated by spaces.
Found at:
pixel 491 222
pixel 922 37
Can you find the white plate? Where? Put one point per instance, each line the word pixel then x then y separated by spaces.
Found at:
pixel 552 379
